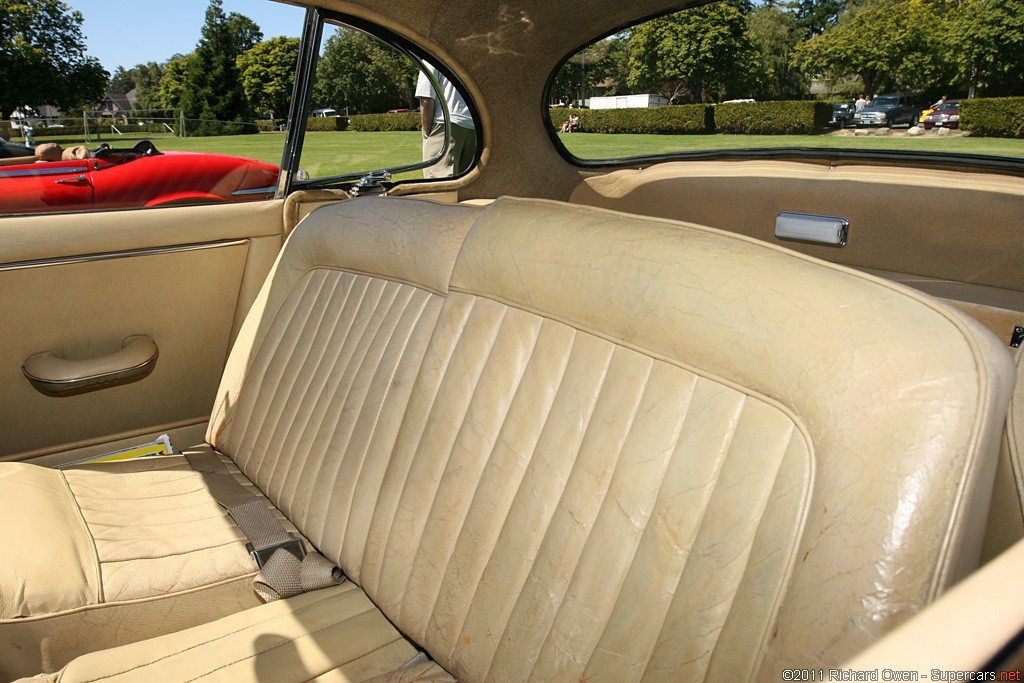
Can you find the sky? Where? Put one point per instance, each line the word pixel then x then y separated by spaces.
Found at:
pixel 119 34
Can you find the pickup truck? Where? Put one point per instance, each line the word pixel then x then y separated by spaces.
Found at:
pixel 888 110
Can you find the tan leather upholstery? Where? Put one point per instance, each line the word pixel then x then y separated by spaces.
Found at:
pixel 1006 516
pixel 135 538
pixel 561 443
pixel 334 630
pixel 17 161
pixel 963 632
pixel 180 540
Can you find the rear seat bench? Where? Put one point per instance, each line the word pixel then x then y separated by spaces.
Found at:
pixel 542 441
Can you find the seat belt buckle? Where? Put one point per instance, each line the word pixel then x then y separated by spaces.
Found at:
pixel 262 555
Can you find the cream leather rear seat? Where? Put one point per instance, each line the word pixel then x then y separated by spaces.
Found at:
pixel 131 554
pixel 605 447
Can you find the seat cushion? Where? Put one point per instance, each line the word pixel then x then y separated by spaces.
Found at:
pixel 335 634
pixel 50 562
pixel 121 550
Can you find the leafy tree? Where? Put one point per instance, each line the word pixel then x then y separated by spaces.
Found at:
pixel 268 73
pixel 147 85
pixel 213 89
pixel 144 79
pixel 817 16
pixel 697 55
pixel 363 75
pixel 988 36
pixel 888 44
pixel 600 68
pixel 121 81
pixel 174 81
pixel 42 57
pixel 775 33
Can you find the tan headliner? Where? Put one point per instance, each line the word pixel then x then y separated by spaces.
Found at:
pixel 503 52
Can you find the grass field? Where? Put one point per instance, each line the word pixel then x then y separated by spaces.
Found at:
pixel 333 153
pixel 602 146
pixel 323 154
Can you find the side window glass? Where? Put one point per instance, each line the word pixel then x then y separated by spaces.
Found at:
pixel 896 77
pixel 110 118
pixel 376 107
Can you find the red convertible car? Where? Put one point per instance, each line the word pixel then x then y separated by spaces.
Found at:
pixel 138 176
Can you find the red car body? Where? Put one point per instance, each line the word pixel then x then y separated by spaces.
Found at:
pixel 140 176
pixel 945 115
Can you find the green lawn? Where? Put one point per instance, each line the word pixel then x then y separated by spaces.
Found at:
pixel 333 153
pixel 605 146
pixel 323 153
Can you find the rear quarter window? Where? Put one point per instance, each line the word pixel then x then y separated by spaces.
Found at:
pixel 758 79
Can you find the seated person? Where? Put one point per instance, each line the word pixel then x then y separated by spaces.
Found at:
pixel 571 124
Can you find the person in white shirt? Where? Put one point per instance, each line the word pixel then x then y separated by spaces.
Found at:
pixel 462 150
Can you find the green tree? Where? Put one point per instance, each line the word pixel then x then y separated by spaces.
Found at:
pixel 213 89
pixel 144 79
pixel 121 81
pixel 601 68
pixel 775 33
pixel 363 75
pixel 988 36
pixel 147 85
pixel 268 72
pixel 174 81
pixel 42 57
pixel 817 16
pixel 697 55
pixel 890 44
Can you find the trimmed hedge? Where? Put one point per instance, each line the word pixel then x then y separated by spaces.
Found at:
pixel 1001 117
pixel 271 125
pixel 670 120
pixel 73 129
pixel 326 123
pixel 406 120
pixel 772 118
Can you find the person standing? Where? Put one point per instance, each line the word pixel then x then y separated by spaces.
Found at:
pixel 860 103
pixel 462 149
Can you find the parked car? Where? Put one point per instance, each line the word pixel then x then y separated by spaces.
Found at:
pixel 646 416
pixel 842 115
pixel 325 113
pixel 888 110
pixel 13 150
pixel 137 176
pixel 946 115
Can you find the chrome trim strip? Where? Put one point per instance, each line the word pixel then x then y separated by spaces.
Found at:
pixel 267 192
pixel 42 170
pixel 129 253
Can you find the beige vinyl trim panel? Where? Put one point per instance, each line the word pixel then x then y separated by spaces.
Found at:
pixel 77 285
pixel 956 227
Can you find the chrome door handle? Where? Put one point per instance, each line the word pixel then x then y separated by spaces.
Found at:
pixel 77 180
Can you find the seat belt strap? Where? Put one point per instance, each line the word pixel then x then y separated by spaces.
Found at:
pixel 286 569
